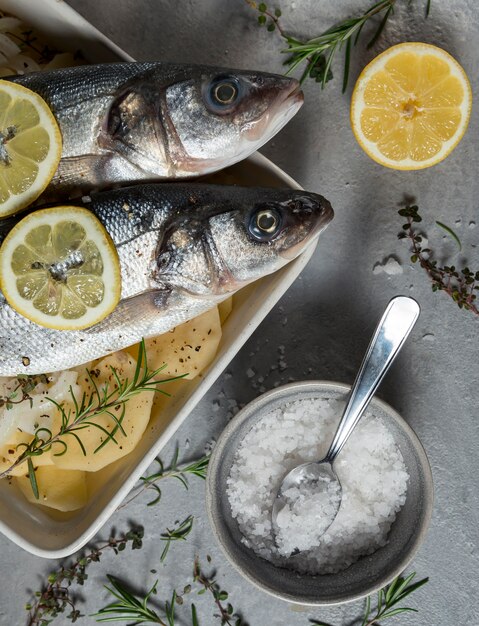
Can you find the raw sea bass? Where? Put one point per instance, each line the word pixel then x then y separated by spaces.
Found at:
pixel 128 122
pixel 182 248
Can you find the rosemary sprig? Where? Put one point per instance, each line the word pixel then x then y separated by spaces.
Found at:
pixel 139 610
pixel 104 400
pixel 319 52
pixel 179 533
pixel 56 598
pixel 226 614
pixel 129 608
pixel 388 599
pixel 180 472
pixel 460 284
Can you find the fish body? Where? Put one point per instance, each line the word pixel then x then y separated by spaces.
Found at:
pixel 182 248
pixel 130 122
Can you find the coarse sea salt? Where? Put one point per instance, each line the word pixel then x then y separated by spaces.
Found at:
pixel 370 468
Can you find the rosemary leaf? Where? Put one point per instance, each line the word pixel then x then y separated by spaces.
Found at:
pixel 450 232
pixel 128 607
pixel 347 61
pixel 194 616
pixel 180 533
pixel 32 477
pixel 380 28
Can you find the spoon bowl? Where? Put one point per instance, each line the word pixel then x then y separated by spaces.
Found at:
pixel 307 484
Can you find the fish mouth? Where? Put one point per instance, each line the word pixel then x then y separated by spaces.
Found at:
pixel 295 93
pixel 289 99
pixel 318 205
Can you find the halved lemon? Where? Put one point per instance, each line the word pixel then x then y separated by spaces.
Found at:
pixel 411 106
pixel 30 146
pixel 60 269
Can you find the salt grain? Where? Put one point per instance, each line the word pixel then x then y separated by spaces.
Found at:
pixel 370 468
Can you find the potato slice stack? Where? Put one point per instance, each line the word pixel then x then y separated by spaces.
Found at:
pixel 62 482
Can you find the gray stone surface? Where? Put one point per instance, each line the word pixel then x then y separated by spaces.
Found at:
pixel 325 319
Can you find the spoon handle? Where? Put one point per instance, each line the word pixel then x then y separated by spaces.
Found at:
pixel 395 325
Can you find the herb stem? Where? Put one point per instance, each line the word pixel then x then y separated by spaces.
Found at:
pixel 226 613
pixel 319 52
pixel 265 11
pixel 460 285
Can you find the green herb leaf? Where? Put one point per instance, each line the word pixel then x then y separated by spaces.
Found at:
pixel 32 478
pixel 179 533
pixel 450 232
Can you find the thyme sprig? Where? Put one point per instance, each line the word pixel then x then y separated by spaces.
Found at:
pixel 21 393
pixel 227 614
pixel 387 600
pixel 56 597
pixel 460 284
pixel 179 533
pixel 130 608
pixel 319 52
pixel 197 468
pixel 102 400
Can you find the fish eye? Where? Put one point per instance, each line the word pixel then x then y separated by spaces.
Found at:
pixel 265 224
pixel 223 92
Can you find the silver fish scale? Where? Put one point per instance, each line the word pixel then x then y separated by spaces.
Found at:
pixel 66 87
pixel 143 221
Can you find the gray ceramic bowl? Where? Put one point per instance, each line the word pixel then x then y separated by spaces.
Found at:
pixel 365 576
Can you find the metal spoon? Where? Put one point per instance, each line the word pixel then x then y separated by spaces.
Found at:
pixel 319 476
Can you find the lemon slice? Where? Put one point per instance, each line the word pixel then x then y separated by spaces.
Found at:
pixel 59 268
pixel 30 147
pixel 411 106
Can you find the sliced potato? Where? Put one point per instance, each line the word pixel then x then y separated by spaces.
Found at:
pixel 225 309
pixel 9 452
pixel 135 420
pixel 188 348
pixel 58 489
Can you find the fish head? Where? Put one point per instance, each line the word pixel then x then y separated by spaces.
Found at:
pixel 238 237
pixel 221 117
pixel 198 121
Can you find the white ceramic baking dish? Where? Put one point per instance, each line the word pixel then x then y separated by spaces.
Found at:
pixel 34 528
